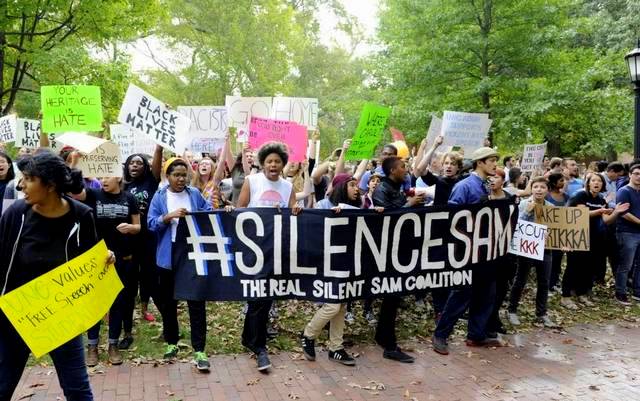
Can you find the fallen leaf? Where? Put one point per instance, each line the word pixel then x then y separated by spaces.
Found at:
pixel 406 394
pixel 594 388
pixel 253 382
pixel 328 393
pixel 170 393
pixel 25 396
pixel 294 396
pixel 416 382
pixel 36 385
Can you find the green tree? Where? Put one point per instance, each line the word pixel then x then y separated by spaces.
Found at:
pixel 56 41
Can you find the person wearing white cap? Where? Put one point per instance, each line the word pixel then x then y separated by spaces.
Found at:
pixel 479 298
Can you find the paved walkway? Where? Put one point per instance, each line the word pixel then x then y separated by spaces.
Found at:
pixel 597 362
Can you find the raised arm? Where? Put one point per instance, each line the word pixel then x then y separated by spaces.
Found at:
pixel 340 162
pixel 425 162
pixel 362 167
pixel 156 165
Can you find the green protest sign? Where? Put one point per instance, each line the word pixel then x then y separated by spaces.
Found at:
pixel 369 132
pixel 71 108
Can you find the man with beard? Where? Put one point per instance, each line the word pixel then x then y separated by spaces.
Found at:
pixel 480 296
pixel 570 171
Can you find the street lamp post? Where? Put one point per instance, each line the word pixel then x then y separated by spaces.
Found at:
pixel 633 63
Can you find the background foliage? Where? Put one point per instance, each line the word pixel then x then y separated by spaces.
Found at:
pixel 554 67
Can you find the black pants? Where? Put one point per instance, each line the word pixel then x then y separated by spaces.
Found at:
pixel 505 274
pixel 440 296
pixel 145 259
pixel 254 334
pixel 68 360
pixel 556 267
pixel 479 299
pixel 168 307
pixel 386 329
pixel 543 270
pixel 581 269
pixel 121 312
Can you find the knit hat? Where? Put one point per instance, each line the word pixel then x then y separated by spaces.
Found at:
pixel 341 179
pixel 169 162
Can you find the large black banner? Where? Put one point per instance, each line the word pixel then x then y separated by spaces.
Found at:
pixel 323 256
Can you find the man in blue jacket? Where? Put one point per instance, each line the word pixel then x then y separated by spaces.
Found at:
pixel 480 296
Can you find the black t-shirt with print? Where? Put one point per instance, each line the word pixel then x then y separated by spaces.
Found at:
pixel 111 210
pixel 143 191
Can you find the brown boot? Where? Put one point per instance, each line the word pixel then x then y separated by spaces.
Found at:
pixel 92 355
pixel 114 355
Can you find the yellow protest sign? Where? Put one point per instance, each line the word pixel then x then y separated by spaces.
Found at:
pixel 57 306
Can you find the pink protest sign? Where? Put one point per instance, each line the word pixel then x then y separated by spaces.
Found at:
pixel 294 136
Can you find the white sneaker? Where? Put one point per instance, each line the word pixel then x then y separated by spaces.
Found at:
pixel 584 300
pixel 568 303
pixel 348 317
pixel 513 319
pixel 546 321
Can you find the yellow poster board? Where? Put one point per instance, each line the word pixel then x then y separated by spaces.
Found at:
pixel 63 303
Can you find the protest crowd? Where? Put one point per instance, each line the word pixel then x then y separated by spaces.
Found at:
pixel 54 211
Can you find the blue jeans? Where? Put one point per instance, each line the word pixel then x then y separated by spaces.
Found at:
pixel 628 245
pixel 479 298
pixel 67 358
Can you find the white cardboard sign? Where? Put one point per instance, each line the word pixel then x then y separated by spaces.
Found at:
pixel 302 110
pixel 241 109
pixel 100 158
pixel 528 240
pixel 466 130
pixel 149 116
pixel 8 128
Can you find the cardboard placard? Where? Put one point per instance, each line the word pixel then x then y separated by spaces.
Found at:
pixel 241 109
pixel 130 141
pixel 435 128
pixel 369 132
pixel 528 240
pixel 567 227
pixel 63 303
pixel 8 128
pixel 71 108
pixel 206 121
pixel 465 130
pixel 100 158
pixel 28 133
pixel 533 157
pixel 149 116
pixel 294 136
pixel 301 110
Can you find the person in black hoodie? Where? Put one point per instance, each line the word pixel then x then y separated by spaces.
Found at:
pixel 389 195
pixel 37 234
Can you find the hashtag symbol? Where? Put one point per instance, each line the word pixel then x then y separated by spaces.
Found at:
pixel 199 256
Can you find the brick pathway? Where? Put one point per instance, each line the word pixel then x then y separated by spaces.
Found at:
pixel 596 362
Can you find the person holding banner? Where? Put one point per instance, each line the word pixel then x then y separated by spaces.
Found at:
pixel 39 233
pixel 480 297
pixel 389 150
pixel 344 195
pixel 582 266
pixel 451 166
pixel 118 222
pixel 141 179
pixel 265 189
pixel 390 195
pixel 168 205
pixel 539 190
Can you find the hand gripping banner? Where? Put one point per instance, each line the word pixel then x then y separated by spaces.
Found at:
pixel 320 255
